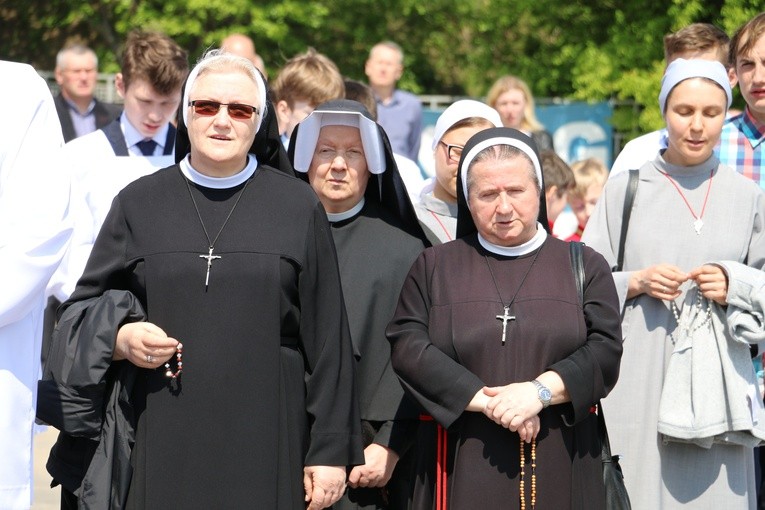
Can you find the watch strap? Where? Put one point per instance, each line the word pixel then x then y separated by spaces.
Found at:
pixel 540 388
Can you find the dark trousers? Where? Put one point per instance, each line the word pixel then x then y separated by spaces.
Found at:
pixel 68 500
pixel 759 483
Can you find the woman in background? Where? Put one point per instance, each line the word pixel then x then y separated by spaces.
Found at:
pixel 512 98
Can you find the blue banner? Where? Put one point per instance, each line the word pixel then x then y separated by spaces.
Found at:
pixel 580 130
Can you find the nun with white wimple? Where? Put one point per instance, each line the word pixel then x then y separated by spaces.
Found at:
pixel 491 338
pixel 687 411
pixel 346 158
pixel 437 204
pixel 210 325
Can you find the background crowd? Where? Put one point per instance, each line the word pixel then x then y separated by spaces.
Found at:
pixel 174 227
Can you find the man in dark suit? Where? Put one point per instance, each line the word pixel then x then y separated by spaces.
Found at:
pixel 78 110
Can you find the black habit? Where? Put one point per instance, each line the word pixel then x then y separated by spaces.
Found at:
pixel 374 254
pixel 268 383
pixel 375 249
pixel 446 346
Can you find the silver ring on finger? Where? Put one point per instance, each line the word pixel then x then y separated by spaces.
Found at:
pixel 149 358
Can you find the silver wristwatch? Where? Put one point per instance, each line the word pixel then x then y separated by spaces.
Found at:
pixel 543 393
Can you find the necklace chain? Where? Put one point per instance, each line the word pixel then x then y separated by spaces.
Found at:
pixel 505 317
pixel 211 244
pixel 523 280
pixel 446 230
pixel 698 223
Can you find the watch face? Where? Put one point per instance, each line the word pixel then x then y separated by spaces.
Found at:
pixel 544 394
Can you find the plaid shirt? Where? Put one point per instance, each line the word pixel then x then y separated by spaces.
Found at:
pixel 742 146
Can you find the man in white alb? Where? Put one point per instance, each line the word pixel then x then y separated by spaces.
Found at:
pixel 34 234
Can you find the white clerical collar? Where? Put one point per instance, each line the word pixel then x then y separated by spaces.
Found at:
pixel 350 213
pixel 516 251
pixel 218 182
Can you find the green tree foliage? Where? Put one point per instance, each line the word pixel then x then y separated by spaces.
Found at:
pixel 582 50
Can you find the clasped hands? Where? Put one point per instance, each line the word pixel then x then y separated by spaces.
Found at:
pixel 515 407
pixel 663 281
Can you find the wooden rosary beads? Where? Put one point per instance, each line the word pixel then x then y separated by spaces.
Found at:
pixel 533 475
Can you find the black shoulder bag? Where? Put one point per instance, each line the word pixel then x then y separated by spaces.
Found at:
pixel 629 199
pixel 613 478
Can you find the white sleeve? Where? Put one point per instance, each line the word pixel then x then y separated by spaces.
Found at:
pixel 637 152
pixel 35 226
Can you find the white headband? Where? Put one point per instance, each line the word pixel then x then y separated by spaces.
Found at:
pixel 513 142
pixel 203 64
pixel 461 110
pixel 682 69
pixel 308 136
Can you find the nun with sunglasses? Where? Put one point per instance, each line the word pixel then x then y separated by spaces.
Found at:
pixel 491 338
pixel 204 359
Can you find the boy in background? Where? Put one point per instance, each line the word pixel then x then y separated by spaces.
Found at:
pixel 306 81
pixel 741 142
pixel 142 139
pixel 559 181
pixel 590 175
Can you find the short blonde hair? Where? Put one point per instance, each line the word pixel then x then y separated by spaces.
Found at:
pixel 586 173
pixel 310 77
pixel 509 82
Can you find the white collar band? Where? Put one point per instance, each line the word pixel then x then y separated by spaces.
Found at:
pixel 515 251
pixel 350 213
pixel 218 182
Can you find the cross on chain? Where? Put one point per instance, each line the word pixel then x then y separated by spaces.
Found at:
pixel 210 257
pixel 505 318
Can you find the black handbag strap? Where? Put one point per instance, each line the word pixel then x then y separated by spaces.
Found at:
pixel 603 434
pixel 629 199
pixel 577 266
pixel 616 493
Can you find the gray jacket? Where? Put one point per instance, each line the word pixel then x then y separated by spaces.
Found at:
pixel 710 393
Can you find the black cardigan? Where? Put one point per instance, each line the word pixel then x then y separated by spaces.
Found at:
pixel 87 397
